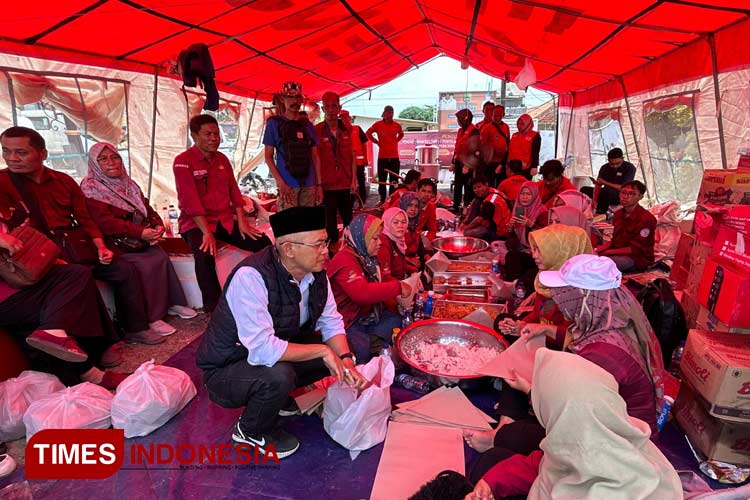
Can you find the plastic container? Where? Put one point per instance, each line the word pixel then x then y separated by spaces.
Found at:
pixel 413 383
pixel 174 216
pixel 406 320
pixel 419 306
pixel 663 417
pixel 167 222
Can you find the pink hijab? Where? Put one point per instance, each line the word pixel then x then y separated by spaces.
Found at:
pixel 525 123
pixel 121 192
pixel 532 211
pixel 388 217
pixel 570 216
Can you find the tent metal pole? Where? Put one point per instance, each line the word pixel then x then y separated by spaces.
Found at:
pixel 556 104
pixel 632 128
pixel 12 97
pixel 570 125
pixel 247 133
pixel 717 98
pixel 153 133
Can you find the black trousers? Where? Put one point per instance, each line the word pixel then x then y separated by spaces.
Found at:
pixel 67 299
pixel 462 190
pixel 132 313
pixel 205 264
pixel 337 201
pixel 392 164
pixel 361 191
pixel 262 390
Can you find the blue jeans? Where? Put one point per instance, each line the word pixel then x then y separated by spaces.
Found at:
pixel 360 333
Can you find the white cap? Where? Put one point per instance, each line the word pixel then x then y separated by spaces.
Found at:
pixel 589 272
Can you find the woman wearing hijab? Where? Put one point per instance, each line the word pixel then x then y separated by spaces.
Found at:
pixel 528 214
pixel 577 199
pixel 123 214
pixel 359 290
pixel 414 249
pixel 551 247
pixel 593 448
pixel 571 216
pixel 525 146
pixel 392 254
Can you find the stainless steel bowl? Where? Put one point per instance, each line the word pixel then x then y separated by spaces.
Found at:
pixel 460 246
pixel 445 331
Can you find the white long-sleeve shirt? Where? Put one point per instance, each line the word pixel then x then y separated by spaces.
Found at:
pixel 248 300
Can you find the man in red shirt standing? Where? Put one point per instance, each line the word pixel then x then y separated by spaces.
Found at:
pixel 211 206
pixel 632 245
pixel 337 166
pixel 389 134
pixel 360 153
pixel 495 137
pixel 467 142
pixel 487 109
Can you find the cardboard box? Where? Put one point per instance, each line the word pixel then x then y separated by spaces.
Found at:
pixel 717 365
pixel 724 187
pixel 738 218
pixel 698 257
pixel 690 307
pixel 681 265
pixel 724 290
pixel 732 246
pixel 704 320
pixel 717 439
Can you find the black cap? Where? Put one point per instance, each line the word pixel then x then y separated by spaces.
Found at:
pixel 298 220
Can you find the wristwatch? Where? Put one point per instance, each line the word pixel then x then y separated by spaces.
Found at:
pixel 349 355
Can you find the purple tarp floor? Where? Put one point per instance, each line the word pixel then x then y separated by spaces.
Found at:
pixel 321 469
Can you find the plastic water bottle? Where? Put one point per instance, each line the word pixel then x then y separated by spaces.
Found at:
pixel 386 351
pixel 429 304
pixel 413 383
pixel 419 306
pixel 496 266
pixel 674 364
pixel 406 320
pixel 664 414
pixel 167 224
pixel 173 220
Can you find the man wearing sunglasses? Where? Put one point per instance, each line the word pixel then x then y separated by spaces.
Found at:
pixel 632 245
pixel 261 342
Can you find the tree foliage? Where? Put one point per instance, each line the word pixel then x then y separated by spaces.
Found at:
pixel 426 113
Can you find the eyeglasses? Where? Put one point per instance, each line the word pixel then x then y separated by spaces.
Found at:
pixel 320 246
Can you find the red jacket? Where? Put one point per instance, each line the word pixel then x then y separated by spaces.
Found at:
pixel 336 156
pixel 354 294
pixel 428 220
pixel 521 148
pixel 393 263
pixel 548 194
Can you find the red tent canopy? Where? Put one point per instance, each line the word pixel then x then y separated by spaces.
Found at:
pixel 346 45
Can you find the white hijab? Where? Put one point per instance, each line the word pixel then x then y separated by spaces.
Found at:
pixel 593 449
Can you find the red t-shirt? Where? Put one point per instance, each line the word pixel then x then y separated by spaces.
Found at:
pixel 635 230
pixel 511 186
pixel 388 135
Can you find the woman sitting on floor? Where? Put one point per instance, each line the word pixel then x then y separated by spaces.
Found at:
pixel 571 216
pixel 356 285
pixel 528 214
pixel 392 254
pixel 593 448
pixel 124 216
pixel 414 249
pixel 608 328
pixel 576 199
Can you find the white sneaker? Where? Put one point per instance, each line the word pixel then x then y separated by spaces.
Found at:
pixel 162 328
pixel 7 465
pixel 182 311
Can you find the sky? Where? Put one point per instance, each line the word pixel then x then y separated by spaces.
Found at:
pixel 421 87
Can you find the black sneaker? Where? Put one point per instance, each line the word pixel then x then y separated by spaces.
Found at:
pixel 290 409
pixel 284 443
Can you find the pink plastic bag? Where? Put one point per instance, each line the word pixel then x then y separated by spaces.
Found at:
pixel 359 422
pixel 16 394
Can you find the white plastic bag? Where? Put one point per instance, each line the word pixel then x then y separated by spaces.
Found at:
pixel 360 422
pixel 148 398
pixel 83 406
pixel 16 394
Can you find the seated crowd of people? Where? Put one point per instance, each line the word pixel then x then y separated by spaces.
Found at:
pixel 309 305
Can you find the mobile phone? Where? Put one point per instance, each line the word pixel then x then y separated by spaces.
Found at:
pixel 520 211
pixel 713 294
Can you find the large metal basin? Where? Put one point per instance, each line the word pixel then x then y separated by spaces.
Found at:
pixel 459 246
pixel 441 331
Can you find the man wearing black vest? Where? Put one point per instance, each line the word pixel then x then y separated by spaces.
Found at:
pixel 261 342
